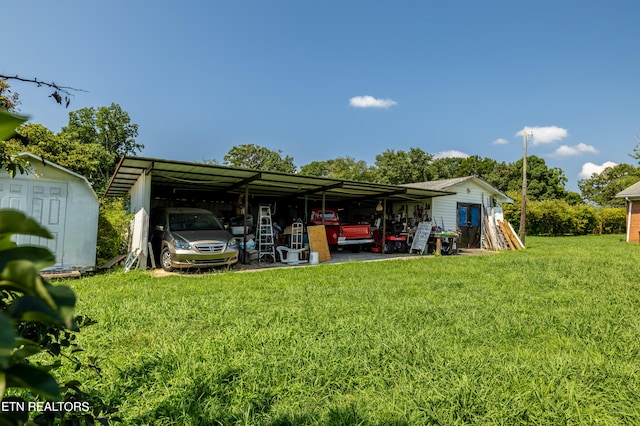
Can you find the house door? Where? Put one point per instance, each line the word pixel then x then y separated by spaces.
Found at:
pixel 46 203
pixel 469 225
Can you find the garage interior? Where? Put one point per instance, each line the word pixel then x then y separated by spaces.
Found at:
pixel 235 195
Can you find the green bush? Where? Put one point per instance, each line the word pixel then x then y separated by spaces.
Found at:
pixel 113 229
pixel 549 217
pixel 558 217
pixel 613 220
pixel 585 219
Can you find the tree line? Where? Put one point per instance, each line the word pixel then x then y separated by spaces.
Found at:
pixel 552 209
pixel 415 165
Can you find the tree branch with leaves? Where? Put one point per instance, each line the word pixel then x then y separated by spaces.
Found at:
pixel 60 93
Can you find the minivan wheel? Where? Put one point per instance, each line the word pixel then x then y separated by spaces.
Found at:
pixel 165 259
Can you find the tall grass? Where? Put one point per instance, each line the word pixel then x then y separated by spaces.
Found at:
pixel 549 335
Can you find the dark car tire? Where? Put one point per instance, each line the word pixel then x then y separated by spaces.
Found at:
pixel 165 259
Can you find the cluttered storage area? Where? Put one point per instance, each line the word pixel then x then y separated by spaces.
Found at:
pixel 272 217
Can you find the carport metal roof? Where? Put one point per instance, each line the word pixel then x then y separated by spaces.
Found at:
pixel 177 176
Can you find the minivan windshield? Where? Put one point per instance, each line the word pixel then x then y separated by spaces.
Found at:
pixel 194 222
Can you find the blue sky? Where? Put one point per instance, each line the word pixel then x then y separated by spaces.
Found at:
pixel 320 80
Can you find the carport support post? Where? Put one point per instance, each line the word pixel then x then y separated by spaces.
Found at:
pixel 323 205
pixel 384 223
pixel 245 259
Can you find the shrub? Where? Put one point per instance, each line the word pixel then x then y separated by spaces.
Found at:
pixel 558 217
pixel 549 217
pixel 613 220
pixel 113 229
pixel 585 219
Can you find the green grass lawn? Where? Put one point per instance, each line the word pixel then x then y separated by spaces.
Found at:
pixel 549 335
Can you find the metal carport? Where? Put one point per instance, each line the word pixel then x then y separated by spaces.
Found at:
pixel 144 179
pixel 176 179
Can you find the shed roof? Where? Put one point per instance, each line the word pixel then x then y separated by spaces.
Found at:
pixel 448 184
pixel 32 158
pixel 186 176
pixel 631 192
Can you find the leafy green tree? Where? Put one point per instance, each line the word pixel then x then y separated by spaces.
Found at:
pixel 111 128
pixel 499 176
pixel 573 198
pixel 495 173
pixel 9 121
pixel 8 161
pixel 602 188
pixel 316 168
pixel 543 183
pixel 87 159
pixel 636 150
pixel 404 166
pixel 8 98
pixel 474 165
pixel 445 167
pixel 89 145
pixel 256 157
pixel 340 168
pixel 8 102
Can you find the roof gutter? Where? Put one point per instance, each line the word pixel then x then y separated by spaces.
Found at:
pixel 113 176
pixel 629 210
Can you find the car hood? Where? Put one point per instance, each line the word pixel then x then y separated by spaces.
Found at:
pixel 192 236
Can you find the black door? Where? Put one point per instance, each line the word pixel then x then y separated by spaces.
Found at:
pixel 469 225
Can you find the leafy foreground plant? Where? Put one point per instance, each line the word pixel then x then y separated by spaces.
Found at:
pixel 36 318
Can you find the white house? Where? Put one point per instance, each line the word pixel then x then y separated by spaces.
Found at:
pixel 61 201
pixel 465 210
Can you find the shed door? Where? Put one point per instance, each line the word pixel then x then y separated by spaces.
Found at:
pixel 469 225
pixel 46 203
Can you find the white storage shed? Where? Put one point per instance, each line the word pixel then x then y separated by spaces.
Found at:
pixel 64 203
pixel 465 210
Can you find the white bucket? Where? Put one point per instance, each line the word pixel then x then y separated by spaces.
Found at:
pixel 293 258
pixel 313 258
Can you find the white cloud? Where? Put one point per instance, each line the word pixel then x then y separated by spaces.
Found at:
pixel 589 169
pixel 566 150
pixel 451 154
pixel 542 135
pixel 500 141
pixel 371 102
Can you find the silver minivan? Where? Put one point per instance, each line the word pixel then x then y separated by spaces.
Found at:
pixel 186 237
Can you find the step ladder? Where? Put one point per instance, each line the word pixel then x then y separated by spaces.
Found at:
pixel 297 234
pixel 266 244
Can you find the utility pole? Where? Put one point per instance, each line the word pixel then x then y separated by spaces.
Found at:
pixel 523 210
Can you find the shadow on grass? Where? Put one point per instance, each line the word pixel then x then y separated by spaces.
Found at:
pixel 216 401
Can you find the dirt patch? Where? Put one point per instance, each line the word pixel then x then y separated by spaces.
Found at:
pixel 336 257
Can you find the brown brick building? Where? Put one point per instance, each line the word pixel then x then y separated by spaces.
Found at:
pixel 632 199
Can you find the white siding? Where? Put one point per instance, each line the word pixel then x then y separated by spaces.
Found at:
pixel 140 194
pixel 446 208
pixel 61 202
pixel 445 211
